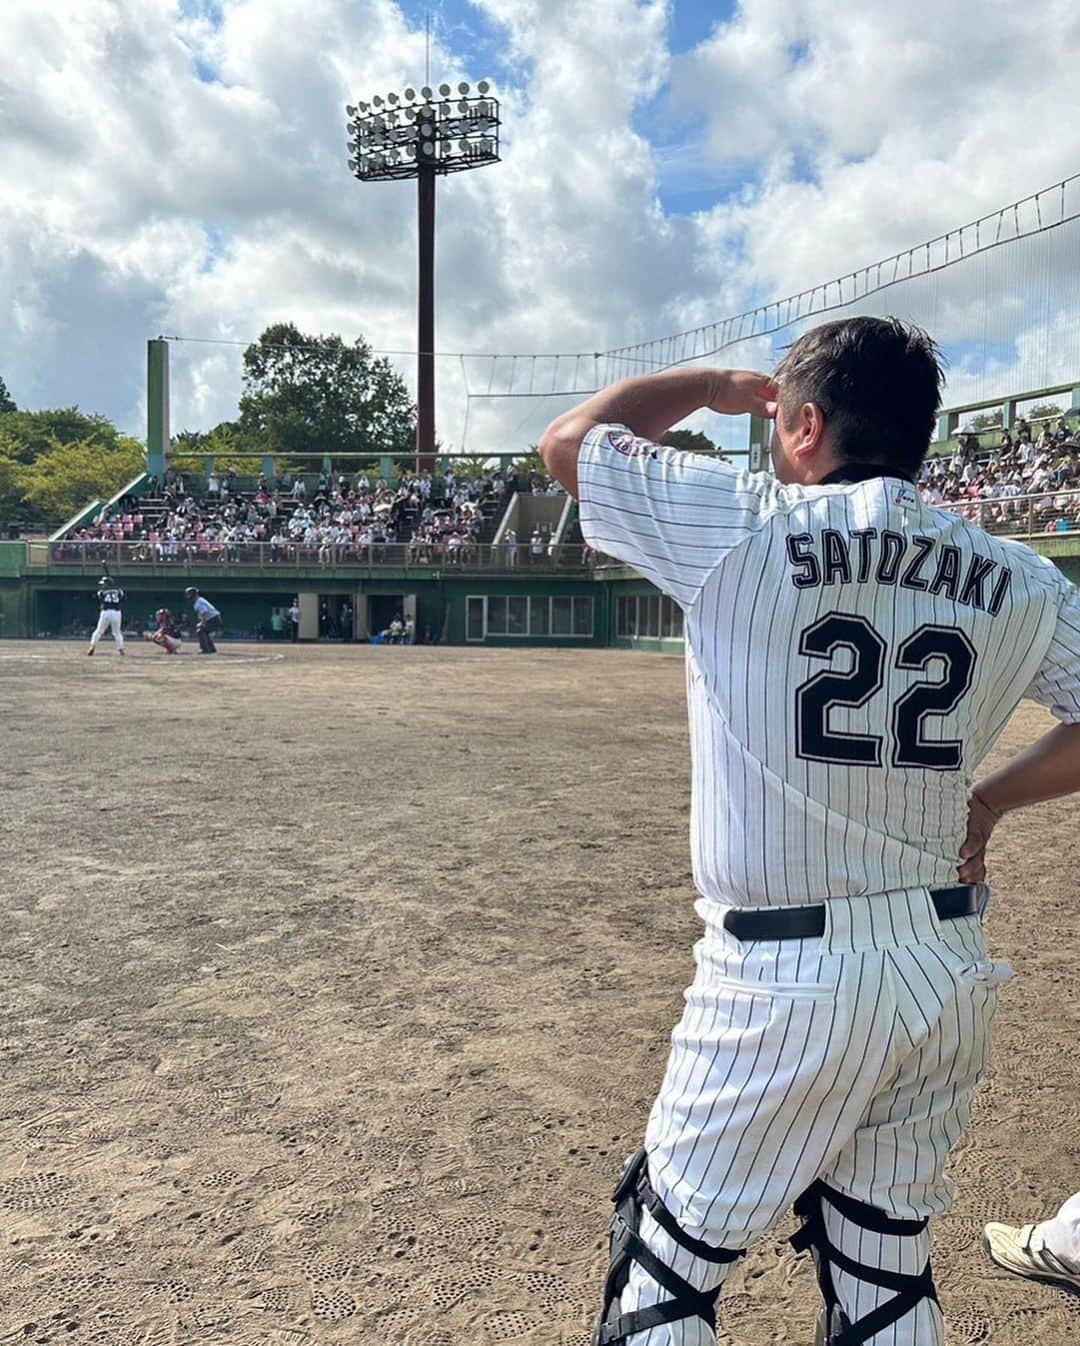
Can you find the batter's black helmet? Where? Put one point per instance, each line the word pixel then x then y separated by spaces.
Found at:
pixel 191 592
pixel 105 579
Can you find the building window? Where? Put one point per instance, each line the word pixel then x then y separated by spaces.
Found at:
pixel 583 615
pixel 654 616
pixel 517 615
pixel 522 615
pixel 496 616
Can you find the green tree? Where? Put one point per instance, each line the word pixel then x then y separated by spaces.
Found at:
pixel 986 420
pixel 466 468
pixel 68 476
pixel 1043 410
pixel 315 394
pixel 691 441
pixel 54 461
pixel 11 475
pixel 25 435
pixel 531 462
pixel 7 403
pixel 188 451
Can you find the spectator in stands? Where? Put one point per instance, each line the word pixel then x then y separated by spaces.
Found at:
pixel 439 520
pixel 511 548
pixel 537 547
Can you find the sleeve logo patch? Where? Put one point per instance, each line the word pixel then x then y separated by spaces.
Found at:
pixel 622 441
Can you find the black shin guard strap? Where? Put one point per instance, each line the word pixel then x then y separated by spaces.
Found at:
pixel 633 1193
pixel 909 1289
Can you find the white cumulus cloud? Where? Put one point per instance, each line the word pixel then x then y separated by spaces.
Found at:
pixel 181 169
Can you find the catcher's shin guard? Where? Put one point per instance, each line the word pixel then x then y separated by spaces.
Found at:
pixel 835 1328
pixel 634 1193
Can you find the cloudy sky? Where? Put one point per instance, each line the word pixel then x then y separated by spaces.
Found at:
pixel 179 167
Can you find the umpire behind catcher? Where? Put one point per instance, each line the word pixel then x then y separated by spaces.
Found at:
pixel 851 654
pixel 209 620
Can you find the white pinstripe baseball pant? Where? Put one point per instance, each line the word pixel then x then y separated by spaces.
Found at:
pixel 108 620
pixel 851 1058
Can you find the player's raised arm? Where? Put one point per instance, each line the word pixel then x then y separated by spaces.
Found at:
pixel 671 515
pixel 650 406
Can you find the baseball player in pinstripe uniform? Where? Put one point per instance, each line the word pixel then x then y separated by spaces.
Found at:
pixel 851 655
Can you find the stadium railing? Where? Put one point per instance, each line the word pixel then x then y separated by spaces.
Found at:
pixel 77 556
pixel 1023 516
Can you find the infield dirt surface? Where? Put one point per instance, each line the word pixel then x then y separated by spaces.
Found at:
pixel 338 984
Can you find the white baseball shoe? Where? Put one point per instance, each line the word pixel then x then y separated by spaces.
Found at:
pixel 1023 1251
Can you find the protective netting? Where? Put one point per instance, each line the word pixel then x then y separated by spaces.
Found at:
pixel 1001 296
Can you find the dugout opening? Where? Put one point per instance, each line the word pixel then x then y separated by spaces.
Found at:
pixel 383 608
pixel 337 617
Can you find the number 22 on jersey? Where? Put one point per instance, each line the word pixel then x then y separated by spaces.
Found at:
pixel 862 682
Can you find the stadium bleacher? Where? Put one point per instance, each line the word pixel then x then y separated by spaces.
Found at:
pixel 1021 482
pixel 1017 482
pixel 327 517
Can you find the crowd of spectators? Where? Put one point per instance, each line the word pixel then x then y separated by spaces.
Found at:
pixel 1026 479
pixel 338 516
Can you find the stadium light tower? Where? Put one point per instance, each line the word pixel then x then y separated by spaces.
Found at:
pixel 421 137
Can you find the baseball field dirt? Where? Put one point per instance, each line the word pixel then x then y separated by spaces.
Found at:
pixel 338 983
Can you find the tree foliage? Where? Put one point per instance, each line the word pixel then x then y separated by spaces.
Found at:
pixel 69 476
pixel 316 394
pixel 1043 410
pixel 53 462
pixel 691 441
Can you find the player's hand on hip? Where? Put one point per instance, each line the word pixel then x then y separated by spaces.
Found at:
pixel 981 822
pixel 742 392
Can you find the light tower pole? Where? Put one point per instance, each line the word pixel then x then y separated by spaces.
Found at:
pixel 395 138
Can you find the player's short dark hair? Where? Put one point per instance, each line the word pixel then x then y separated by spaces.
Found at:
pixel 878 383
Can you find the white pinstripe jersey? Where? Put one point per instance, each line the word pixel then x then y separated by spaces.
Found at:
pixel 851 656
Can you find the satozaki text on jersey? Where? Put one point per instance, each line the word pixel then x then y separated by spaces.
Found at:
pixel 887 557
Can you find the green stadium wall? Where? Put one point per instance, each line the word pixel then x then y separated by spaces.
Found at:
pixel 43 600
pixel 49 605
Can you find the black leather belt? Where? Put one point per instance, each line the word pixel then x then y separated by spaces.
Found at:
pixel 809 922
